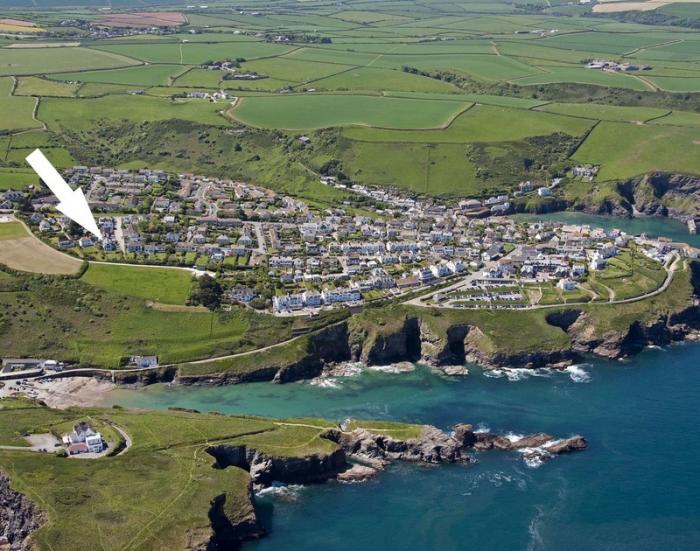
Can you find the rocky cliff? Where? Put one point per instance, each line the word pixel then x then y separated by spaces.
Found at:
pixel 233 520
pixel 19 517
pixel 662 330
pixel 653 194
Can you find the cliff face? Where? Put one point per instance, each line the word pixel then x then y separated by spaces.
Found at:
pixel 658 194
pixel 663 330
pixel 230 529
pixel 327 346
pixel 384 347
pixel 265 468
pixel 19 517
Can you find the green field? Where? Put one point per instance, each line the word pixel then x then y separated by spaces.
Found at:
pixel 370 78
pixel 82 113
pixel 149 75
pixel 170 286
pixel 17 178
pixel 11 230
pixel 193 53
pixel 555 74
pixel 605 112
pixel 481 123
pixel 34 86
pixel 320 111
pixel 293 70
pixel 31 61
pixel 16 111
pixel 625 151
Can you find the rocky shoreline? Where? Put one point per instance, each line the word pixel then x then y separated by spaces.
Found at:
pixel 361 454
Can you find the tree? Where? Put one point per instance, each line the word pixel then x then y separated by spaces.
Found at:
pixel 208 292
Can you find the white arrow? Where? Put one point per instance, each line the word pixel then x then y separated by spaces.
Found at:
pixel 72 203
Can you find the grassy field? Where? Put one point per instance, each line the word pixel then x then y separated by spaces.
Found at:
pixel 320 111
pixel 170 286
pixel 17 178
pixel 370 78
pixel 194 53
pixel 624 150
pixel 481 123
pixel 82 113
pixel 31 61
pixel 11 230
pixel 605 112
pixel 16 111
pixel 74 320
pixel 294 70
pixel 555 74
pixel 440 169
pixel 149 75
pixel 34 86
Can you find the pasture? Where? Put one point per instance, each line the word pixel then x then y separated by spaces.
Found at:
pixel 371 78
pixel 605 112
pixel 194 53
pixel 34 86
pixel 17 178
pixel 169 286
pixel 481 123
pixel 298 112
pixel 16 111
pixel 82 113
pixel 625 150
pixel 149 75
pixel 32 61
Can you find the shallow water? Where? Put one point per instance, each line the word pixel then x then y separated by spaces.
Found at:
pixel 635 488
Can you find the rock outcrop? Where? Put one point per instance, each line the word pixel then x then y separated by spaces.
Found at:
pixel 432 446
pixel 19 517
pixel 663 194
pixel 265 468
pixel 230 529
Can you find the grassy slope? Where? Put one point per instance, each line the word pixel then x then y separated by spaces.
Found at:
pixel 322 111
pixel 157 284
pixel 625 150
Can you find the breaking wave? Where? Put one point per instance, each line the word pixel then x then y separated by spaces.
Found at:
pixel 578 374
pixel 287 492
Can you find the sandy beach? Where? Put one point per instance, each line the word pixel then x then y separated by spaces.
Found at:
pixel 61 393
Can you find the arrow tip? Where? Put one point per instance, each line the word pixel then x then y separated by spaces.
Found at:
pixel 77 209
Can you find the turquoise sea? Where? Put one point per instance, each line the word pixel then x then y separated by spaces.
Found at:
pixel 636 488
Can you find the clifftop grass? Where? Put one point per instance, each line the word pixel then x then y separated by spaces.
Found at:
pixel 159 493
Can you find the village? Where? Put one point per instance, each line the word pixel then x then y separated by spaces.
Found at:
pixel 277 254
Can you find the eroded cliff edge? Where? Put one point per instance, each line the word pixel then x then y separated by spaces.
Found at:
pixel 19 517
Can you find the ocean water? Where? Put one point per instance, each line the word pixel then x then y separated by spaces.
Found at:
pixel 635 488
